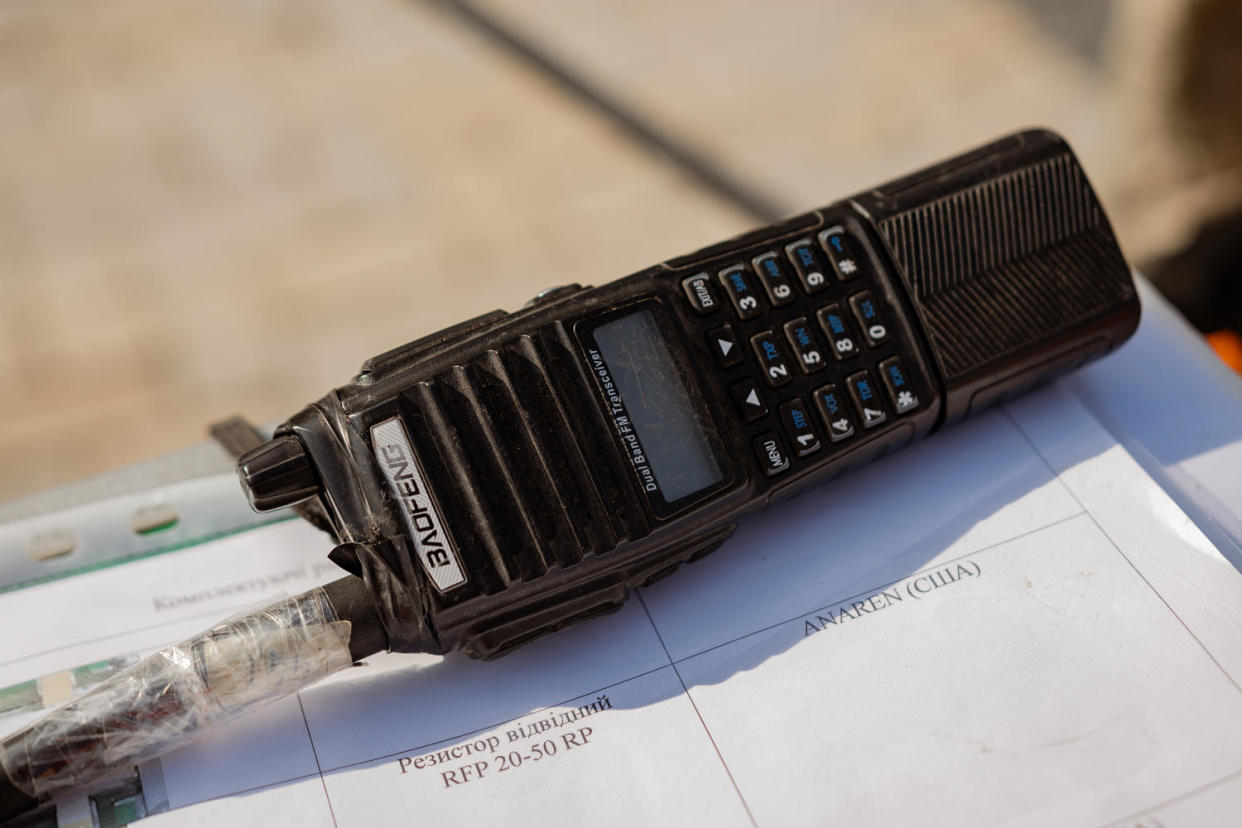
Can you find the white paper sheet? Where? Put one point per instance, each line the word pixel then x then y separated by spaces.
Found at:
pixel 1008 623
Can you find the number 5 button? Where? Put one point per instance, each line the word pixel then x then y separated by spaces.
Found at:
pixel 771 359
pixel 805 345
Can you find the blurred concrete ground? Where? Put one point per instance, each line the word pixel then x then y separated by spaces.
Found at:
pixel 211 208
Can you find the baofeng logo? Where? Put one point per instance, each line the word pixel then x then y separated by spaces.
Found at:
pixel 422 517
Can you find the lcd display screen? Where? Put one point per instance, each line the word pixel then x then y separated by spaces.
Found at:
pixel 651 408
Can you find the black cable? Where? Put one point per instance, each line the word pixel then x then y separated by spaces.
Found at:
pixel 13 803
pixel 693 162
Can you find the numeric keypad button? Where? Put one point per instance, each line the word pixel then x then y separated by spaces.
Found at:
pixel 740 286
pixel 771 454
pixel 723 344
pixel 841 337
pixel 867 398
pixel 699 291
pixel 901 392
pixel 807 265
pixel 808 353
pixel 869 315
pixel 796 419
pixel 833 412
pixel 775 279
pixel 748 399
pixel 840 249
pixel 771 359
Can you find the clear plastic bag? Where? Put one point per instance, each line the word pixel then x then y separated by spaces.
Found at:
pixel 171 696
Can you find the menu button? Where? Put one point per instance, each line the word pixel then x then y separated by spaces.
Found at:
pixel 771 454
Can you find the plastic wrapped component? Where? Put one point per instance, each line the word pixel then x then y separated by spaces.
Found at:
pixel 168 698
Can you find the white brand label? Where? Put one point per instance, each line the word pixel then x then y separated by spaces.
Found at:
pixel 409 486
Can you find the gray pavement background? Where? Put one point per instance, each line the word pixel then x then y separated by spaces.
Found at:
pixel 212 208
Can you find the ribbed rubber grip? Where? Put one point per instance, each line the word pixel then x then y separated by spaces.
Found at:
pixel 1010 263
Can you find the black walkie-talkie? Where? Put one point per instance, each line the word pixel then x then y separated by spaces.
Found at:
pixel 520 472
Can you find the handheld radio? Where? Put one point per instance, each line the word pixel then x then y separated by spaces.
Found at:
pixel 519 472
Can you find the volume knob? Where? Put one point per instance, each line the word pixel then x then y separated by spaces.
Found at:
pixel 277 473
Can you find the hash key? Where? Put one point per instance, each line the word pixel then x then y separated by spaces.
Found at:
pixel 840 250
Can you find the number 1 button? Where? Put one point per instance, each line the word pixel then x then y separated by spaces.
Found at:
pixel 797 421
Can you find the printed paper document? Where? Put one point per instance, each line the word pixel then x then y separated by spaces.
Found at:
pixel 1007 623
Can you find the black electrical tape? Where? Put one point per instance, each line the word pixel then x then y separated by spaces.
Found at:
pixel 353 603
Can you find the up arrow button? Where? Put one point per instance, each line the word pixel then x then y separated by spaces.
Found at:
pixel 748 400
pixel 723 344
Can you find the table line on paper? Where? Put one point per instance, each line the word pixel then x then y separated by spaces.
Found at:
pixel 216 613
pixel 697 713
pixel 1120 552
pixel 1182 797
pixel 315 754
pixel 873 589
